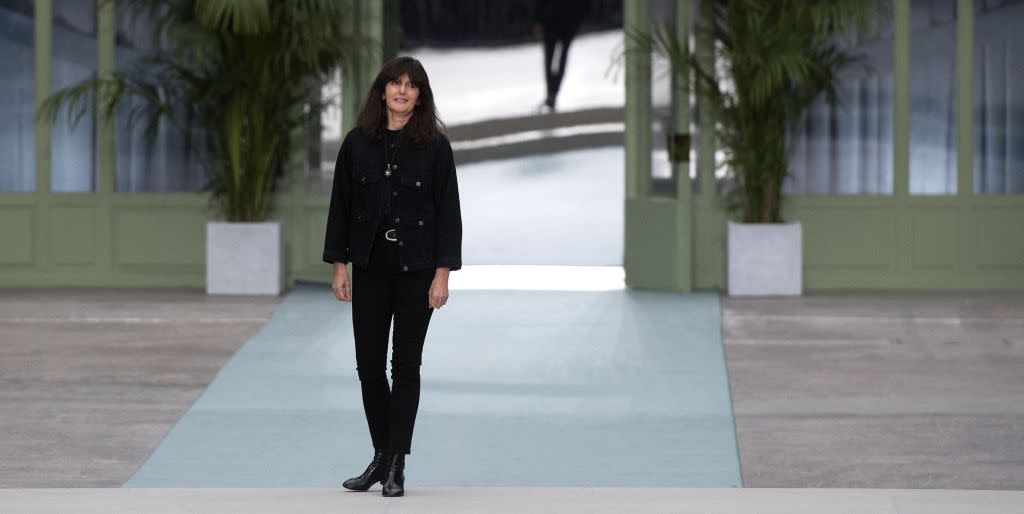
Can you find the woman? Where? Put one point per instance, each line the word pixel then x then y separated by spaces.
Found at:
pixel 395 215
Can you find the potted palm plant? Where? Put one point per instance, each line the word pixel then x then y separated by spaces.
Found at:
pixel 768 61
pixel 242 71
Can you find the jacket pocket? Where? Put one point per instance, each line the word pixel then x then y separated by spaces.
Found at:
pixel 367 192
pixel 417 200
pixel 415 182
pixel 418 231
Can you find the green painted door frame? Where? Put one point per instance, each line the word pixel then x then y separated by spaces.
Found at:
pixel 900 241
pixel 657 249
pixel 673 242
pixel 108 238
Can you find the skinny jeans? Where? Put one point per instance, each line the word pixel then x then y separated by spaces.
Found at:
pixel 381 293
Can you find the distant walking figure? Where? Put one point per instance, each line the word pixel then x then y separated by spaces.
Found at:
pixel 395 215
pixel 557 21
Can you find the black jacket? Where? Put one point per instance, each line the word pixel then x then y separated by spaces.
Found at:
pixel 427 203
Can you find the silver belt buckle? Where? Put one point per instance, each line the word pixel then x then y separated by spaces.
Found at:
pixel 391 234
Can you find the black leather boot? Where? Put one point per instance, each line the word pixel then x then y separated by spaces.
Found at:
pixel 394 479
pixel 374 473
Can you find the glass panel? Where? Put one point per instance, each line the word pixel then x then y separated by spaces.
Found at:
pixel 846 148
pixel 489 71
pixel 998 97
pixel 933 97
pixel 662 180
pixel 325 138
pixel 168 159
pixel 74 60
pixel 17 96
pixel 511 60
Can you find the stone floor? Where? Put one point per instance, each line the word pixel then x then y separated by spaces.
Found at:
pixel 836 390
pixel 902 390
pixel 514 500
pixel 91 380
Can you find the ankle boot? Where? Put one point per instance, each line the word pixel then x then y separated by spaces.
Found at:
pixel 394 478
pixel 374 473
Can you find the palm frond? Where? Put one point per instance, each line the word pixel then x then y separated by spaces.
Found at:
pixel 769 60
pixel 233 72
pixel 241 17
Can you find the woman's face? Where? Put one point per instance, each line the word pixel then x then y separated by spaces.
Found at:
pixel 401 95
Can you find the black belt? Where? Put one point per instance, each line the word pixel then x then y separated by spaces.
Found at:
pixel 389 234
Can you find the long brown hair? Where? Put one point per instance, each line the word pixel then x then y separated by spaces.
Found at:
pixel 424 126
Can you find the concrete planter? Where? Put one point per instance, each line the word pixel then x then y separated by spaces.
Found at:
pixel 765 259
pixel 244 258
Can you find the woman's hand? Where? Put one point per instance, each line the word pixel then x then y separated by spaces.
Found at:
pixel 438 295
pixel 340 284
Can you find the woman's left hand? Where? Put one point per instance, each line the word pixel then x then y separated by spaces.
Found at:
pixel 438 295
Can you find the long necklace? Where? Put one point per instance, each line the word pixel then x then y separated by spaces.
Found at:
pixel 390 160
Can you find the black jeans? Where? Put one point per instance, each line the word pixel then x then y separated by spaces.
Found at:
pixel 377 296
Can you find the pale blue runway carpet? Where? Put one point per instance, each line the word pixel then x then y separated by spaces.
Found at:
pixel 519 388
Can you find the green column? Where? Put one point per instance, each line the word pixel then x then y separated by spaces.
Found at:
pixel 105 34
pixel 902 240
pixel 105 180
pixel 351 80
pixel 709 231
pixel 43 134
pixel 965 97
pixel 901 98
pixel 373 24
pixel 292 213
pixel 965 242
pixel 367 23
pixel 44 47
pixel 684 202
pixel 636 17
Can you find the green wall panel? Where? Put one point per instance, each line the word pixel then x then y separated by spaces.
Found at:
pixel 934 237
pixel 314 218
pixel 156 237
pixel 849 242
pixel 650 235
pixel 998 239
pixel 16 228
pixel 840 238
pixel 72 233
pixel 708 242
pixel 315 227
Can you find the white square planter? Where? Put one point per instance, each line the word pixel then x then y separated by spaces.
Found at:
pixel 765 259
pixel 244 258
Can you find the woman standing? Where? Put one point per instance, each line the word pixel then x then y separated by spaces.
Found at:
pixel 395 215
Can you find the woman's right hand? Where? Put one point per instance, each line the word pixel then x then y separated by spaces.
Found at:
pixel 340 284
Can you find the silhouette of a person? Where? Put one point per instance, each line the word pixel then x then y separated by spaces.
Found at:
pixel 557 22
